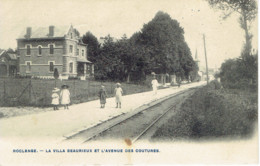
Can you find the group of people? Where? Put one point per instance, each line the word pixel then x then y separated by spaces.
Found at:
pixel 63 97
pixel 118 96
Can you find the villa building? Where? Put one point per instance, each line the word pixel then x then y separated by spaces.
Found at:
pixel 41 50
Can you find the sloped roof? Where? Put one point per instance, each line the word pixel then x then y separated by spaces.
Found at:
pixel 83 60
pixel 11 56
pixel 1 51
pixel 42 32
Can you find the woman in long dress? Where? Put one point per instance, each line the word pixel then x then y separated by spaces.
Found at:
pixel 65 96
pixel 102 96
pixel 118 95
pixel 154 85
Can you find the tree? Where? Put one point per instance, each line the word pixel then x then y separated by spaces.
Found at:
pixel 239 73
pixel 77 32
pixel 10 50
pixel 247 9
pixel 159 37
pixel 159 47
pixel 93 46
pixel 165 48
pixel 107 60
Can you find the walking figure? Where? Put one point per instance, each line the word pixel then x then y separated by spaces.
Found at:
pixel 154 85
pixel 55 98
pixel 102 96
pixel 65 96
pixel 118 94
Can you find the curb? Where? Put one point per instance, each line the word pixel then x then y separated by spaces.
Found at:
pixel 127 115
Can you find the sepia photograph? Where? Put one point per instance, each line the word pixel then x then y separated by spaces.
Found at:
pixel 128 82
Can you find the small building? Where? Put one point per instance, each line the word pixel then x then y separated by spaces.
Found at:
pixel 8 64
pixel 43 49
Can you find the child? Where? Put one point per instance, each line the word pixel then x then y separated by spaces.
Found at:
pixel 55 98
pixel 118 94
pixel 154 85
pixel 102 96
pixel 65 96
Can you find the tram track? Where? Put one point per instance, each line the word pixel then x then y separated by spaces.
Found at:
pixel 133 125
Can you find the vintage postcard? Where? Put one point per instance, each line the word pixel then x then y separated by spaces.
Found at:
pixel 133 82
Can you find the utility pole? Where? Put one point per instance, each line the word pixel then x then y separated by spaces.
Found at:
pixel 207 72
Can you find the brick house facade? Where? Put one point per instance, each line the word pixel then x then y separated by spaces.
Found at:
pixel 42 50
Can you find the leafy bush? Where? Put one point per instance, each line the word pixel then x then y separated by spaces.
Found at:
pixel 211 114
pixel 214 84
pixel 240 73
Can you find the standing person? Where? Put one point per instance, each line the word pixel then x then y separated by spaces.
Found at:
pixel 102 96
pixel 55 98
pixel 118 94
pixel 65 96
pixel 179 82
pixel 154 85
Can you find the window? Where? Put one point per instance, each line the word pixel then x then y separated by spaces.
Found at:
pixel 82 52
pixel 51 66
pixel 51 49
pixel 28 67
pixel 88 67
pixel 28 47
pixel 40 50
pixel 71 35
pixel 71 48
pixel 71 67
pixel 77 51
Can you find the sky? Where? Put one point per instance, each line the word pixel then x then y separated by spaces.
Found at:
pixel 224 38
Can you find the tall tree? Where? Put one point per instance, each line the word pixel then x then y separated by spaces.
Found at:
pixel 108 63
pixel 247 9
pixel 165 46
pixel 93 46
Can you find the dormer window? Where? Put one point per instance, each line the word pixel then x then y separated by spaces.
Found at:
pixel 71 35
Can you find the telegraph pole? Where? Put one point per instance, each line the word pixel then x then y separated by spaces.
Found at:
pixel 207 72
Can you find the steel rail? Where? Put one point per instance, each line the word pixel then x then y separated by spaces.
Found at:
pixel 147 128
pixel 136 138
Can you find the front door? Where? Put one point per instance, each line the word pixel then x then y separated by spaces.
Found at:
pixel 80 69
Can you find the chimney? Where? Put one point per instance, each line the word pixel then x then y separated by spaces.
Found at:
pixel 51 30
pixel 29 32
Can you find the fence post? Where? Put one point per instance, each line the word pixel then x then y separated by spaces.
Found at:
pixel 30 90
pixel 88 88
pixel 74 88
pixel 45 96
pixel 4 91
pixel 111 90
